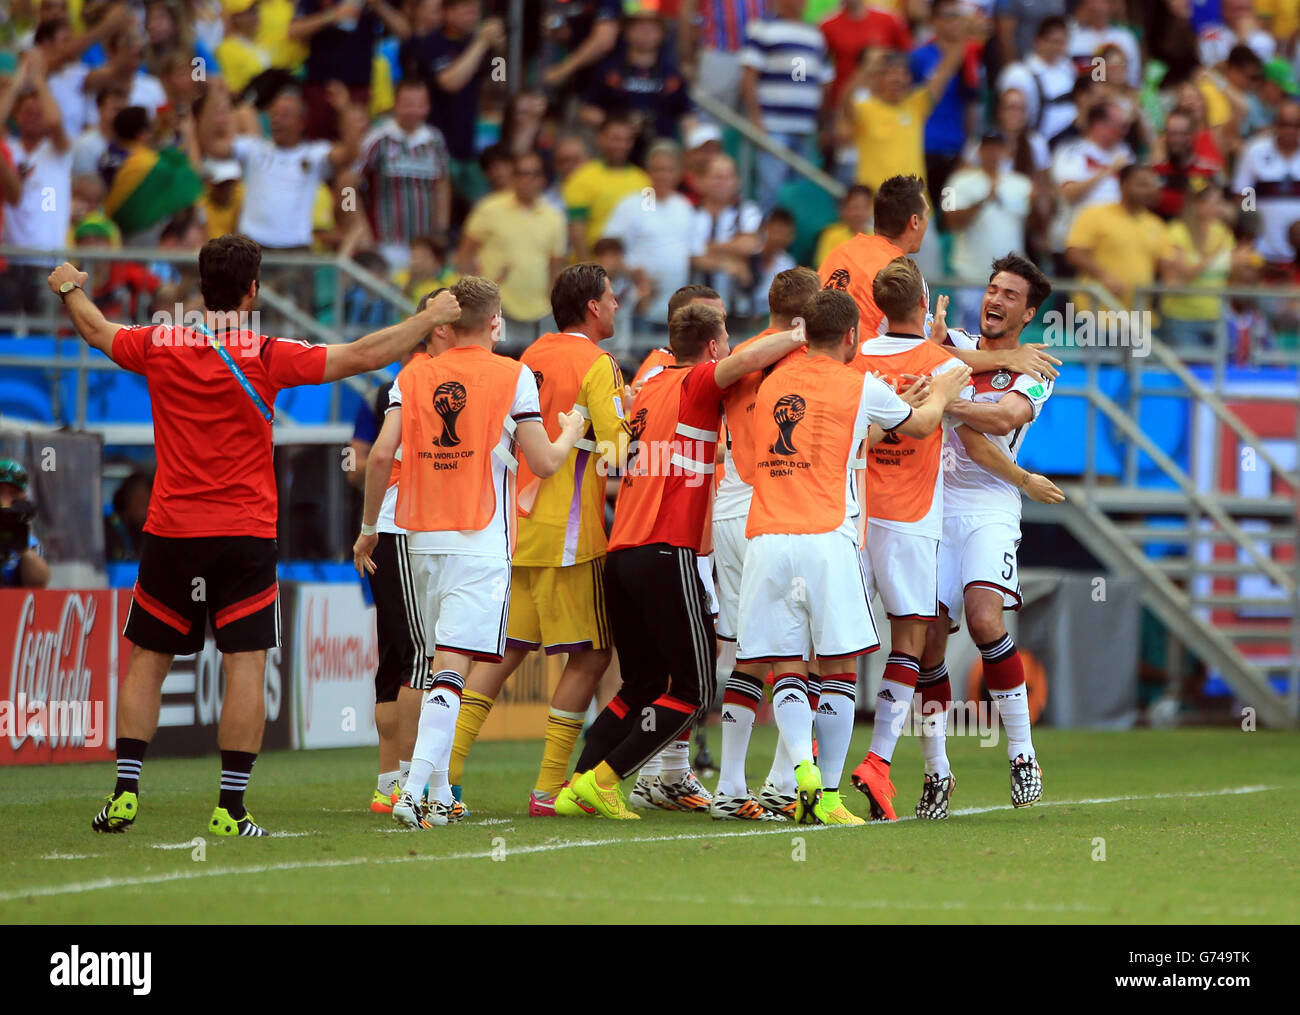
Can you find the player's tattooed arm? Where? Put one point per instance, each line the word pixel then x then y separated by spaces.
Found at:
pixel 379 470
pixel 1023 359
pixel 998 418
pixel 984 453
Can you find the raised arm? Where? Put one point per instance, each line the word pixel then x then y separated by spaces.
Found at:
pixel 545 456
pixel 91 324
pixel 984 453
pixel 1023 359
pixel 379 348
pixel 757 355
pixel 302 29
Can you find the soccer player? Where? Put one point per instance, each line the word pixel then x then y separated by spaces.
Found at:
pixel 803 590
pixel 461 415
pixel 557 597
pixel 981 534
pixel 902 216
pixel 209 551
pixel 403 667
pixel 667 780
pixel 904 518
pixel 651 572
pixel 743 693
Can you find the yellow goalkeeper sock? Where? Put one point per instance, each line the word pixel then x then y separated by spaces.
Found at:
pixel 606 777
pixel 474 709
pixel 562 731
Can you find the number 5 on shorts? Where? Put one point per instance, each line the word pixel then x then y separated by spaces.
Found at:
pixel 1010 560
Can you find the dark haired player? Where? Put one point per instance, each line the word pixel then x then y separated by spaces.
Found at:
pixel 209 552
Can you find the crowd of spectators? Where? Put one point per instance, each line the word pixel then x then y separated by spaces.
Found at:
pixel 1128 143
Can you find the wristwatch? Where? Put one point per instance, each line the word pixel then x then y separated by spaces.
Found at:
pixel 66 288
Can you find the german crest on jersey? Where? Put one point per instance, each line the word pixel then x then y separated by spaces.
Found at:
pixel 1001 380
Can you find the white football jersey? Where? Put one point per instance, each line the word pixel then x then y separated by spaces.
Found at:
pixel 968 488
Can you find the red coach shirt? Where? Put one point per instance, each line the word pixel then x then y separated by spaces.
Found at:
pixel 215 472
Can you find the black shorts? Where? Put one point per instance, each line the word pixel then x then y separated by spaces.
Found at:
pixel 662 629
pixel 398 624
pixel 184 585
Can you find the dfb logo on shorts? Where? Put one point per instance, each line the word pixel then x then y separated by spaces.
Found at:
pixel 449 402
pixel 787 412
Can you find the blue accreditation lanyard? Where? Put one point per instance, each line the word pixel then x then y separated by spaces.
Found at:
pixel 227 359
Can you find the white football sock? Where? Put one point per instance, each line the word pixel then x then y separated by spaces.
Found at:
pixel 934 744
pixel 652 767
pixel 404 769
pixel 1013 709
pixel 737 727
pixel 438 713
pixel 790 707
pixel 675 761
pixel 834 722
pixel 387 780
pixel 782 774
pixel 893 702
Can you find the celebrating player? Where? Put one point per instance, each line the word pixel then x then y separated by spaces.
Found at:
pixel 981 534
pixel 789 291
pixel 461 415
pixel 666 645
pixel 904 518
pixel 803 589
pixel 557 596
pixel 403 667
pixel 212 426
pixel 901 212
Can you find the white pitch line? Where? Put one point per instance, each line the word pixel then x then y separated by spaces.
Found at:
pixel 71 856
pixel 100 884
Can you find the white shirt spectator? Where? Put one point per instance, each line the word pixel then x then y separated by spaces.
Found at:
pixel 87 150
pixel 68 86
pixel 1087 43
pixel 743 217
pixel 1216 42
pixel 1038 150
pixel 657 238
pixel 280 189
pixel 1274 179
pixel 146 92
pixel 1046 88
pixel 999 224
pixel 1077 161
pixel 41 216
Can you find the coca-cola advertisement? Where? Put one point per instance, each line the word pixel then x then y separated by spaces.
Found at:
pixel 334 659
pixel 64 659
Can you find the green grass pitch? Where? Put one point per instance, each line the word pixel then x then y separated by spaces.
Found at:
pixel 1197 826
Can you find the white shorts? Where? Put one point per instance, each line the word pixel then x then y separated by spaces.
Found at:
pixel 802 595
pixel 981 552
pixel 705 566
pixel 903 567
pixel 729 544
pixel 465 602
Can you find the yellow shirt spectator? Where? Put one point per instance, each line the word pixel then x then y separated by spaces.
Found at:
pixel 516 244
pixel 890 137
pixel 241 60
pixel 273 34
pixel 223 219
pixel 830 238
pixel 1219 246
pixel 1126 245
pixel 594 189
